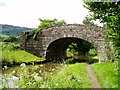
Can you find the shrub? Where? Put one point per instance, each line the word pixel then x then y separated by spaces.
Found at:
pixel 11 38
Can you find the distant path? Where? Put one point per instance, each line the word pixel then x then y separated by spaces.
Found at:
pixel 92 77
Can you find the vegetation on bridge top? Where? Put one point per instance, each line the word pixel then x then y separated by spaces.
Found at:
pixel 44 23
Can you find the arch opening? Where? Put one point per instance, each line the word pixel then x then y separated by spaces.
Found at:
pixel 70 50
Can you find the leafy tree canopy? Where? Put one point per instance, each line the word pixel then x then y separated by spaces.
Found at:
pixel 88 21
pixel 109 14
pixel 48 23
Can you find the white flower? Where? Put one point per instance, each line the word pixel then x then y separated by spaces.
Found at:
pixel 13 71
pixel 40 71
pixel 23 65
pixel 35 77
pixel 14 78
pixel 41 65
pixel 56 84
pixel 53 69
pixel 5 67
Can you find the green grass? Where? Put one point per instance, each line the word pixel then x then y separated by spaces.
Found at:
pixel 107 74
pixel 71 76
pixel 11 55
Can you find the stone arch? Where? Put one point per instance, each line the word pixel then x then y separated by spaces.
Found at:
pixel 56 51
pixel 48 36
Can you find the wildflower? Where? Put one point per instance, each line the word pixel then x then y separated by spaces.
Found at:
pixel 5 67
pixel 41 65
pixel 23 65
pixel 40 71
pixel 13 71
pixel 53 69
pixel 79 80
pixel 56 84
pixel 36 77
pixel 14 78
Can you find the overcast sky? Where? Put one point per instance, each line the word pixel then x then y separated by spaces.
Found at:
pixel 27 12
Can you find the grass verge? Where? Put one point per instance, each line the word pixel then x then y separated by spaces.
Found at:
pixel 107 74
pixel 71 76
pixel 12 55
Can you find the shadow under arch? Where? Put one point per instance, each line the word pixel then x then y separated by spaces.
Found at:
pixel 56 51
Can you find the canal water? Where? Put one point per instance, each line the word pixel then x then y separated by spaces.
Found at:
pixel 41 68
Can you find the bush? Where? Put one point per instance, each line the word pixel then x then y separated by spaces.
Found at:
pixel 92 52
pixel 11 38
pixel 92 56
pixel 89 57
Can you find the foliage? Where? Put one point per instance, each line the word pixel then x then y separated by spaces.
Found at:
pixel 68 76
pixel 107 74
pixel 2 37
pixel 92 56
pixel 108 13
pixel 11 38
pixel 81 52
pixel 81 47
pixel 88 21
pixel 13 30
pixel 92 52
pixel 32 33
pixel 44 23
pixel 11 55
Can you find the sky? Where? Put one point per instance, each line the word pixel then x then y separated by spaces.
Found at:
pixel 26 13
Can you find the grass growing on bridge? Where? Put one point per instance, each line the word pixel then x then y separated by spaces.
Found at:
pixel 107 74
pixel 12 55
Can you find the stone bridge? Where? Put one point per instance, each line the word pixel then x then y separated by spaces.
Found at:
pixel 52 42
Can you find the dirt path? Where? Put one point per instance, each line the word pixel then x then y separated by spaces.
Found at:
pixel 93 77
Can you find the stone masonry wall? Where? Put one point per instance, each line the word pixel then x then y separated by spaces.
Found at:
pixel 39 47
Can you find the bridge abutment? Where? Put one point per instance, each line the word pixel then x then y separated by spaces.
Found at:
pixel 102 51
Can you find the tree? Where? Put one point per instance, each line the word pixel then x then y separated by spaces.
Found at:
pixel 11 38
pixel 88 21
pixel 48 23
pixel 109 14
